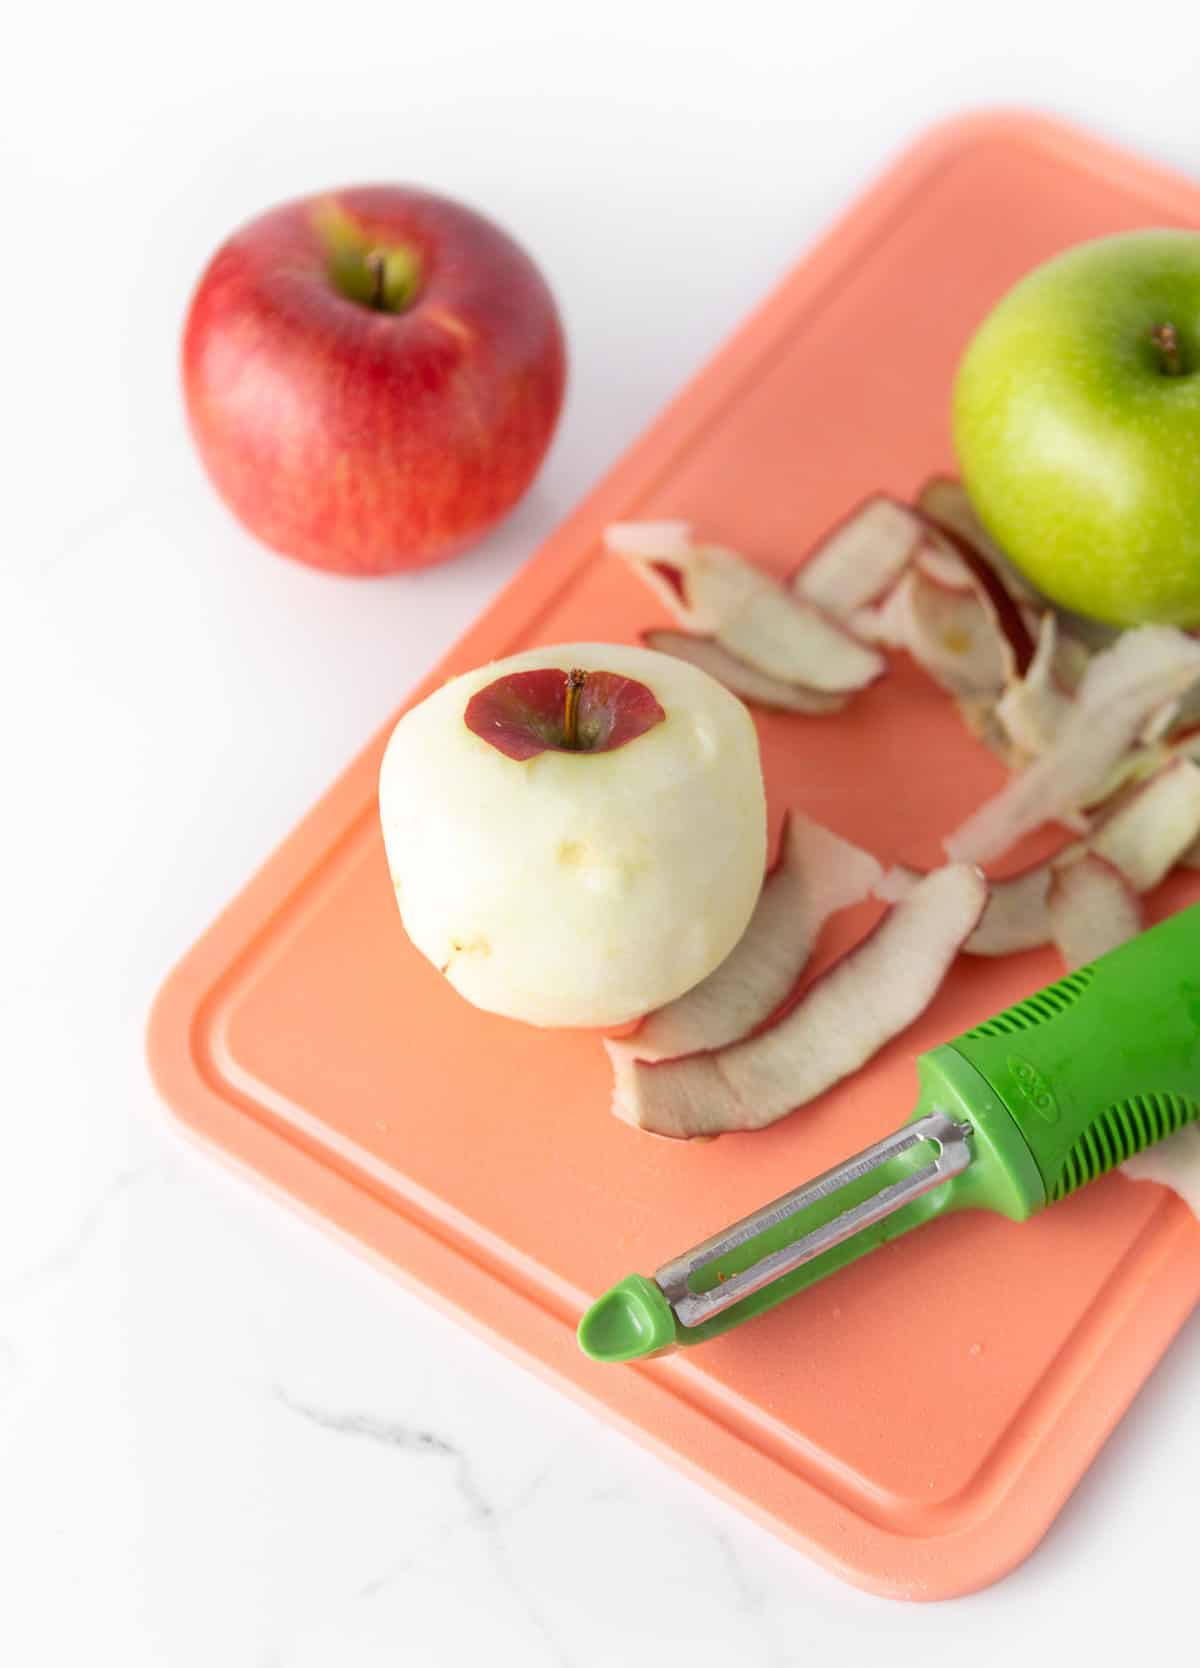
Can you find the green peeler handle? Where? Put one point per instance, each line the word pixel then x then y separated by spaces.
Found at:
pixel 1056 1090
pixel 1089 1070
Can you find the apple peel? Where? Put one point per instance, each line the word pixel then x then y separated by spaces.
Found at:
pixel 740 677
pixel 1016 917
pixel 1122 686
pixel 937 561
pixel 715 592
pixel 861 559
pixel 951 634
pixel 1092 909
pixel 816 874
pixel 1033 709
pixel 863 1001
pixel 1155 827
pixel 944 502
pixel 652 541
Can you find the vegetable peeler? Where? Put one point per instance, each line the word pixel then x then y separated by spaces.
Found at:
pixel 1015 1114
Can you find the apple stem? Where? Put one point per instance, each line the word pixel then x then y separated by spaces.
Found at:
pixel 375 262
pixel 1166 339
pixel 574 689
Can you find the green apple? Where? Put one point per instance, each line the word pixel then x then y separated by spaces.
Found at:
pixel 1077 426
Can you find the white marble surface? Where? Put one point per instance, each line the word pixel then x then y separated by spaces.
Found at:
pixel 222 1438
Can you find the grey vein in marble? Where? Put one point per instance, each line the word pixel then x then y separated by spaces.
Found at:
pixel 480 1510
pixel 65 1256
pixel 388 1431
pixel 750 1601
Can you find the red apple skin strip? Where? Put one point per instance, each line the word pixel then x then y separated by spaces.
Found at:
pixel 795 643
pixel 1092 909
pixel 817 873
pixel 1071 657
pixel 978 713
pixel 1187 716
pixel 1154 828
pixel 1120 689
pixel 1014 917
pixel 937 561
pixel 653 541
pixel 861 558
pixel 716 593
pixel 895 884
pixel 1033 709
pixel 740 677
pixel 944 501
pixel 1135 766
pixel 864 1000
pixel 953 636
pixel 1010 621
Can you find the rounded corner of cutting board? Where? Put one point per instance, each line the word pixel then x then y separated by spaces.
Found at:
pixel 979 1540
pixel 169 1043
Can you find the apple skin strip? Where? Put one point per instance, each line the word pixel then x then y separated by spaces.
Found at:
pixel 717 593
pixel 944 501
pixel 1033 709
pixel 864 1000
pixel 1092 909
pixel 740 678
pixel 649 541
pixel 1015 918
pixel 1155 825
pixel 861 558
pixel 950 633
pixel 816 874
pixel 1122 687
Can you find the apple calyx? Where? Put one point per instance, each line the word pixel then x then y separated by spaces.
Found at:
pixel 1166 339
pixel 526 713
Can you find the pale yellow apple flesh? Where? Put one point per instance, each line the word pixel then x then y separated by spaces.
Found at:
pixel 577 888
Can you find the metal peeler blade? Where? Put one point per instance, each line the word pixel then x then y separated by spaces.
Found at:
pixel 692 1307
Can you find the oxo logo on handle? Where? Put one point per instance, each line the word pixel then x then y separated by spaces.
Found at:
pixel 1033 1088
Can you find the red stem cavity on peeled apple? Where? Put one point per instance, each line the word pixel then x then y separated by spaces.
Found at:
pixel 549 710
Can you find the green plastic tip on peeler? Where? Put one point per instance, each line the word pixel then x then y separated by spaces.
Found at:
pixel 1015 1114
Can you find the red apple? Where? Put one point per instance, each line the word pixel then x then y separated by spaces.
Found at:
pixel 372 376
